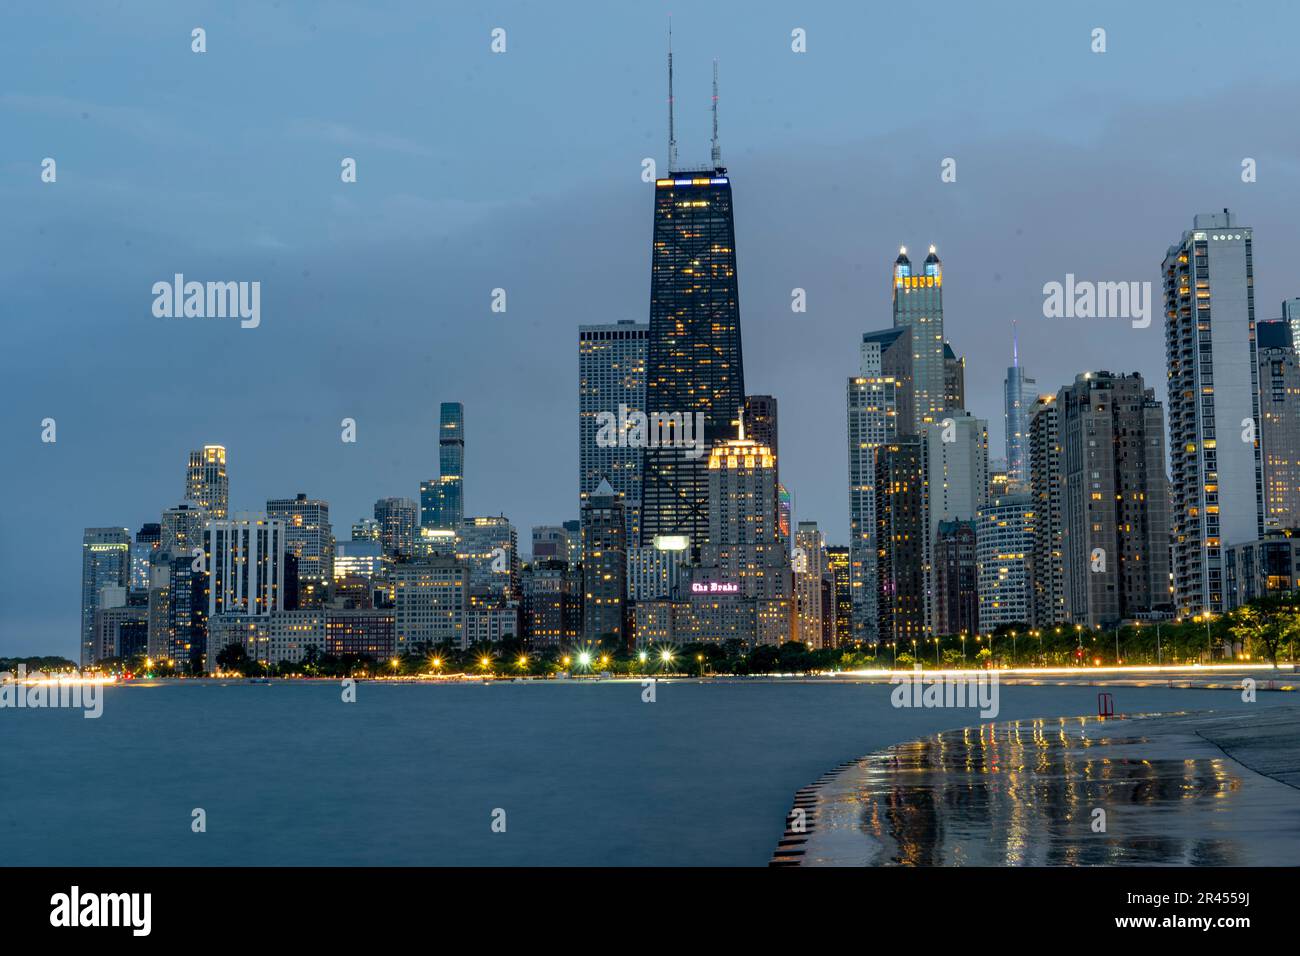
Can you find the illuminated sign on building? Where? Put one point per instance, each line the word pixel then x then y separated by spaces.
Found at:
pixel 714 587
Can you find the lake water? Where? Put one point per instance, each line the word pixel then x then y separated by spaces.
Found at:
pixel 586 773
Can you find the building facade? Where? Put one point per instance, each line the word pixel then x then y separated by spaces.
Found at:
pixel 1213 394
pixel 611 378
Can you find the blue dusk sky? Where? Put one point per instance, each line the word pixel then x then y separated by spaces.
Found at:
pixel 522 171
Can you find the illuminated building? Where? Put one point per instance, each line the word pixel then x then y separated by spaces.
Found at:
pixel 1017 394
pixel 837 560
pixel 744 559
pixel 442 501
pixel 954 379
pixel 552 604
pixel 611 377
pixel 1212 367
pixel 363 559
pixel 1279 424
pixel 654 571
pixel 246 566
pixel 604 567
pixel 901 532
pixel 1269 567
pixel 1115 523
pixel 105 563
pixel 366 529
pixel 491 624
pixel 956 579
pixel 1004 535
pixel 1046 568
pixel 956 470
pixel 281 637
pixel 146 543
pixel 431 602
pixel 489 547
pixel 398 519
pixel 308 534
pixel 810 573
pixel 121 631
pixel 182 529
pixel 873 416
pixel 206 481
pixel 694 358
pixel 364 632
pixel 918 307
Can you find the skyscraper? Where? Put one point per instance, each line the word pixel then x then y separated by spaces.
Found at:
pixel 1279 424
pixel 397 519
pixel 694 362
pixel 956 482
pixel 1017 394
pixel 1004 535
pixel 1213 397
pixel 1114 504
pixel 307 534
pixel 604 567
pixel 837 560
pixel 1291 316
pixel 810 571
pixel 1046 573
pixel 206 481
pixel 901 530
pixel 611 377
pixel 873 416
pixel 954 378
pixel 245 561
pixel 442 502
pixel 105 563
pixel 918 306
pixel 956 574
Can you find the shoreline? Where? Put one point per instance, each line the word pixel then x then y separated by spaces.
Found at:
pixel 1203 788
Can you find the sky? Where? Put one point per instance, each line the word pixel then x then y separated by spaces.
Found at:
pixel 521 170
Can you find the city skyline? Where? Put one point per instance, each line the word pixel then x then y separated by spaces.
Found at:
pixel 278 447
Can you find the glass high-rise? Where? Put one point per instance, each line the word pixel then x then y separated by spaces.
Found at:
pixel 1217 475
pixel 1018 395
pixel 611 378
pixel 694 355
pixel 105 563
pixel 918 306
pixel 442 500
pixel 206 481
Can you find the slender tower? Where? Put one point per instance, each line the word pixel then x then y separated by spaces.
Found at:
pixel 693 363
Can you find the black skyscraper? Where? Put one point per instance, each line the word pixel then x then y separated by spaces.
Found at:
pixel 694 358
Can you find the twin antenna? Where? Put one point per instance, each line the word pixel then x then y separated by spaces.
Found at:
pixel 672 132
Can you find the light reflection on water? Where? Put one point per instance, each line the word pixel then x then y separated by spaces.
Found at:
pixel 1022 793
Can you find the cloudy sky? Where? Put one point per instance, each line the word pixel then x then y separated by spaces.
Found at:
pixel 522 170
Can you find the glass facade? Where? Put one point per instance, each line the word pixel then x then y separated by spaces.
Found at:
pixel 694 356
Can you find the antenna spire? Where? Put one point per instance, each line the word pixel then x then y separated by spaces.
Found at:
pixel 1015 344
pixel 717 147
pixel 672 135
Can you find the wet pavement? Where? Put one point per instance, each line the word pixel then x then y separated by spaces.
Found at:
pixel 1181 790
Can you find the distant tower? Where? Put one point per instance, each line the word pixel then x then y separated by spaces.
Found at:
pixel 1218 480
pixel 1018 394
pixel 918 306
pixel 604 567
pixel 694 361
pixel 442 502
pixel 206 481
pixel 611 382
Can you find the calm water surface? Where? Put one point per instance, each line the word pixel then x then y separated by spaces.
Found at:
pixel 410 774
